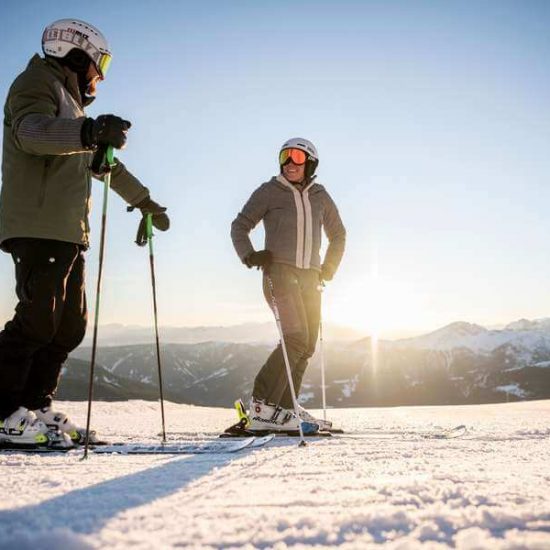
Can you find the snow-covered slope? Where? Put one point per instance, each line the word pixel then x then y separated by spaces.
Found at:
pixel 381 483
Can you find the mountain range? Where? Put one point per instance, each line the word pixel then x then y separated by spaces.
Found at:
pixel 461 363
pixel 122 335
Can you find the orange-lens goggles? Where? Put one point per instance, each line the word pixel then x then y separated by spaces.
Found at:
pixel 104 63
pixel 297 156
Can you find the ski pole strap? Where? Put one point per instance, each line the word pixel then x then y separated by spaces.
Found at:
pixel 145 229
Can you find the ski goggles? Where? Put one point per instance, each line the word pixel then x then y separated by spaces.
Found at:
pixel 103 64
pixel 297 156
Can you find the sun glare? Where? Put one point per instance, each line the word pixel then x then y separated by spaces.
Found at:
pixel 380 308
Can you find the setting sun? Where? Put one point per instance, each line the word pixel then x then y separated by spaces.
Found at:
pixel 380 307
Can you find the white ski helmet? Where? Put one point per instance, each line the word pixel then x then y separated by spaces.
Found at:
pixel 312 159
pixel 302 144
pixel 63 36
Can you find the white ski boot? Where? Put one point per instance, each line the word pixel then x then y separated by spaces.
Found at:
pixel 23 429
pixel 267 417
pixel 60 421
pixel 324 425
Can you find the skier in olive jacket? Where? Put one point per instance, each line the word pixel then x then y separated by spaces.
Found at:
pixel 294 209
pixel 48 145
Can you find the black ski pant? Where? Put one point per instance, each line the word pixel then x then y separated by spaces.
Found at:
pixel 49 322
pixel 298 300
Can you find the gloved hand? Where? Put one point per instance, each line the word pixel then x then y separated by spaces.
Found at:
pixel 160 219
pixel 261 259
pixel 326 274
pixel 104 130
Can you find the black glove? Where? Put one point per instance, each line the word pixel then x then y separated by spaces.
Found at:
pixel 326 274
pixel 160 219
pixel 104 130
pixel 261 259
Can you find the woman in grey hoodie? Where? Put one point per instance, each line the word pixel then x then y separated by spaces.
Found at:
pixel 294 209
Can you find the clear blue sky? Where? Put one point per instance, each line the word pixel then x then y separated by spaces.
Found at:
pixel 432 120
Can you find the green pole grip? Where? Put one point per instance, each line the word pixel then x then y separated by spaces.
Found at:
pixel 110 155
pixel 149 226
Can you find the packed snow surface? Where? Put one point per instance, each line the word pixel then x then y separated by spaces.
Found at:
pixel 388 480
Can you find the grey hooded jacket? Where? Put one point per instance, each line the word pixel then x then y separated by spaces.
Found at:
pixel 293 219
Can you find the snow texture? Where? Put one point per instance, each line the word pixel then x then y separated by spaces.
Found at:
pixel 385 481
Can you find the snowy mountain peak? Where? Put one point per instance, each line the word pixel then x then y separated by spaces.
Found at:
pixel 455 335
pixel 524 335
pixel 459 329
pixel 527 324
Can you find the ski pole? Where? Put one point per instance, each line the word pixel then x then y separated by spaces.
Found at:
pixel 149 226
pixel 322 352
pixel 285 356
pixel 103 160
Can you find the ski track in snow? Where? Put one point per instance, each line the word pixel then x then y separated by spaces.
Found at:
pixel 382 483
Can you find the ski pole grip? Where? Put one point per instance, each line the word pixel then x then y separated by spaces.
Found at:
pixel 103 160
pixel 149 226
pixel 110 156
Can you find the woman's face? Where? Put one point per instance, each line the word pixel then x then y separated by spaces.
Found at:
pixel 294 173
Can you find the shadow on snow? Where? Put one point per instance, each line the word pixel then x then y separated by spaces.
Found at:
pixel 88 509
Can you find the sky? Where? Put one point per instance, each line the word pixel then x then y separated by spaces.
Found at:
pixel 432 121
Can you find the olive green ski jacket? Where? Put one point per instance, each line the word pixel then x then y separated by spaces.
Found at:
pixel 46 177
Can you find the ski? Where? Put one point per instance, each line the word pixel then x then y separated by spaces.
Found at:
pixel 206 447
pixel 93 442
pixel 6 447
pixel 236 432
pixel 240 430
pixel 261 441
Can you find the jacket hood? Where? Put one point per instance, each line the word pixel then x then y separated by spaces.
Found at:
pixel 283 183
pixel 68 78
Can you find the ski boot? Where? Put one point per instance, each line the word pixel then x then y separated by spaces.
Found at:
pixel 23 430
pixel 324 425
pixel 266 416
pixel 267 419
pixel 60 421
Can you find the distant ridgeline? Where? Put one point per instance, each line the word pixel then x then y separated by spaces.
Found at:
pixel 458 364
